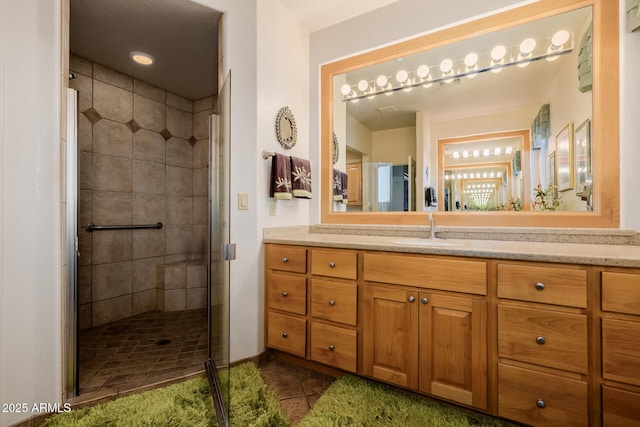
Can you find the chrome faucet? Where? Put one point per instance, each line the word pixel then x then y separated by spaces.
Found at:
pixel 432 226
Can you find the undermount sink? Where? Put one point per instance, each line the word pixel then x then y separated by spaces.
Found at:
pixel 426 242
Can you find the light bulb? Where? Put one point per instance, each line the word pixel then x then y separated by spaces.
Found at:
pixel 382 81
pixel 363 85
pixel 422 71
pixel 508 150
pixel 402 76
pixel 498 52
pixel 465 154
pixel 471 59
pixel 522 57
pixel 499 174
pixel 497 151
pixel 560 38
pixel 476 153
pixel 446 66
pixel 345 89
pixel 456 155
pixel 486 152
pixel 527 46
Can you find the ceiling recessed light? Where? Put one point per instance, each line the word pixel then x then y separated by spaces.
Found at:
pixel 142 58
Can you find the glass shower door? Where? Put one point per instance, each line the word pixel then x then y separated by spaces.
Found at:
pixel 221 252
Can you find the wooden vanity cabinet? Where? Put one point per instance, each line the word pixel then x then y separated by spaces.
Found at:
pixel 286 299
pixel 620 324
pixel 543 357
pixel 423 340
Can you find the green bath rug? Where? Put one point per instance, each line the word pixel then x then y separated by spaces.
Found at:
pixel 186 404
pixel 353 401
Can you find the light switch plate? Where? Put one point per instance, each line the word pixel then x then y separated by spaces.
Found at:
pixel 243 201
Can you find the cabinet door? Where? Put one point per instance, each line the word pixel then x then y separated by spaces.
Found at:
pixel 354 190
pixel 453 349
pixel 390 335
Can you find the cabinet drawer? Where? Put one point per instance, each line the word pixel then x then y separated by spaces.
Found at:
pixel 427 272
pixel 621 351
pixel 287 258
pixel 549 285
pixel 334 301
pixel 621 292
pixel 620 408
pixel 543 337
pixel 287 293
pixel 334 263
pixel 334 346
pixel 287 333
pixel 538 398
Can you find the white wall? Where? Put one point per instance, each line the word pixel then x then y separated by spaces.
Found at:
pixel 629 125
pixel 30 227
pixel 394 145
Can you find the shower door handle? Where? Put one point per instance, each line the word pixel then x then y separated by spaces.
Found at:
pixel 229 251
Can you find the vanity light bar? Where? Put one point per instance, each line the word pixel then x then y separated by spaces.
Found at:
pixel 518 56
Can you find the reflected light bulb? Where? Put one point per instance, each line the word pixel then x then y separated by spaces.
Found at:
pixel 560 38
pixel 363 85
pixel 422 71
pixel 446 66
pixel 382 81
pixel 527 46
pixel 345 89
pixel 402 76
pixel 550 51
pixel 471 59
pixel 498 52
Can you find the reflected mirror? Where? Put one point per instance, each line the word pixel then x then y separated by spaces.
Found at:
pixel 460 125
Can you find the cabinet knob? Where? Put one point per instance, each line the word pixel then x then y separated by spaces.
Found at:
pixel 540 404
pixel 332 347
pixel 285 293
pixel 540 340
pixel 285 259
pixel 332 264
pixel 425 300
pixel 412 298
pixel 284 335
pixel 540 286
pixel 332 302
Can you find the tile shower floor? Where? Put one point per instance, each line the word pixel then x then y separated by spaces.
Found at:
pixel 141 350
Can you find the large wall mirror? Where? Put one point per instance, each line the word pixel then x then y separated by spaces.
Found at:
pixel 511 120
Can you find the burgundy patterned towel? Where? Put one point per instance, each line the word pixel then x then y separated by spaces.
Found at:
pixel 300 178
pixel 337 185
pixel 280 184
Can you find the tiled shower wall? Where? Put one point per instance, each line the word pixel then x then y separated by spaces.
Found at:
pixel 142 160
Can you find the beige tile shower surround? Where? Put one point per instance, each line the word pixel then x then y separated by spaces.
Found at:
pixel 142 159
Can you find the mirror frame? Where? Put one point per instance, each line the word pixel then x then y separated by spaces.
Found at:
pixel 605 123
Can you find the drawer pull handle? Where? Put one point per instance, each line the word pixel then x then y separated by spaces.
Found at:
pixel 540 286
pixel 332 264
pixel 285 293
pixel 285 259
pixel 540 404
pixel 425 300
pixel 412 298
pixel 332 347
pixel 540 340
pixel 332 302
pixel 284 335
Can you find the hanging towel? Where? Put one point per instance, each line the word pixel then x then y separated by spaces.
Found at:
pixel 301 178
pixel 345 185
pixel 280 185
pixel 337 185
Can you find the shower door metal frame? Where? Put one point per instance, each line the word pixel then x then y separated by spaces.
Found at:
pixel 71 246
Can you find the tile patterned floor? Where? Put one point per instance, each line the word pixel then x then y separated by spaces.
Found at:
pixel 128 354
pixel 297 388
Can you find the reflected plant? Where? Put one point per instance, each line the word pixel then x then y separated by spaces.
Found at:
pixel 515 204
pixel 545 199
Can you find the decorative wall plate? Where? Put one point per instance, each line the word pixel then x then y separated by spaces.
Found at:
pixel 336 153
pixel 286 130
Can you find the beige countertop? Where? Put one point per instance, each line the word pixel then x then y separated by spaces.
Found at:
pixel 618 255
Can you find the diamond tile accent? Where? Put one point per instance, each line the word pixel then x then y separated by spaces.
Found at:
pixel 166 134
pixel 92 115
pixel 133 125
pixel 192 140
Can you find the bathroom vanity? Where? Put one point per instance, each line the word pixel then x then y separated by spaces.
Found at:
pixel 542 333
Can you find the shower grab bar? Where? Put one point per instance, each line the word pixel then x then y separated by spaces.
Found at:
pixel 93 227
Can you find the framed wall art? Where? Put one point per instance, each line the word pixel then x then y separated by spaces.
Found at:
pixel 564 158
pixel 582 158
